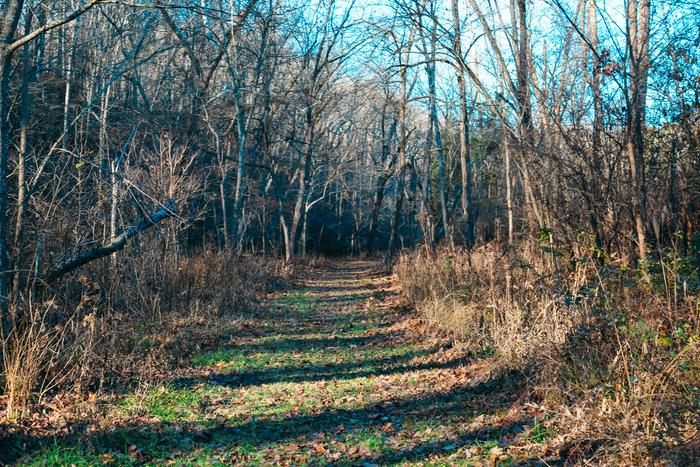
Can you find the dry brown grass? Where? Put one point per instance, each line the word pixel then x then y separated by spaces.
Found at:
pixel 611 357
pixel 105 329
pixel 28 350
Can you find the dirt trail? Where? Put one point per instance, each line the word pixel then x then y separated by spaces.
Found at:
pixel 332 373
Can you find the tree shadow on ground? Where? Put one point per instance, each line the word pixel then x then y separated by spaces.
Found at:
pixel 337 288
pixel 378 366
pixel 299 344
pixel 312 323
pixel 339 299
pixel 157 441
pixel 503 435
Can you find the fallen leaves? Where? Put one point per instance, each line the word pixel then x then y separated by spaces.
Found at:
pixel 319 448
pixel 351 381
pixel 135 452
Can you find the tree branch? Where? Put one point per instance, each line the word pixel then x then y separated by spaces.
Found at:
pixel 51 25
pixel 115 245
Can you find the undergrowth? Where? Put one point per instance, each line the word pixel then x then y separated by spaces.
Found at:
pixel 614 356
pixel 112 328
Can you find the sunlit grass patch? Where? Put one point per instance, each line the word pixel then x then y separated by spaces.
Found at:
pixel 127 449
pixel 303 301
pixel 373 442
pixel 64 455
pixel 285 399
pixel 341 360
pixel 168 403
pixel 233 360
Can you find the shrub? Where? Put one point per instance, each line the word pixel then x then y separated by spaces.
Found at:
pixel 588 331
pixel 107 327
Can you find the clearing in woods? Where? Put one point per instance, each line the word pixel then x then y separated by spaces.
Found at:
pixel 333 373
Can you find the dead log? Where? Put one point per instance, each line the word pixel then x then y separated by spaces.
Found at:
pixel 115 245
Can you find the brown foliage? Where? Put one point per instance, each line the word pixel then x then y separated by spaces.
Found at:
pixel 104 329
pixel 612 356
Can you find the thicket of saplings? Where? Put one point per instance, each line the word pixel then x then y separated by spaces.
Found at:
pixel 611 349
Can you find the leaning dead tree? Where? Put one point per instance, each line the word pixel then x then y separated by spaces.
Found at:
pixel 70 264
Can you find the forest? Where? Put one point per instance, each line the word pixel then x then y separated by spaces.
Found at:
pixel 350 232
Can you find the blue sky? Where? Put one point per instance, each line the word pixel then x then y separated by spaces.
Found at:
pixel 669 18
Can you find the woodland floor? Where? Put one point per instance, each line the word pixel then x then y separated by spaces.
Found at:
pixel 333 372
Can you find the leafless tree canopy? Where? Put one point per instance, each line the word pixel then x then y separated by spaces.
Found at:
pixel 344 128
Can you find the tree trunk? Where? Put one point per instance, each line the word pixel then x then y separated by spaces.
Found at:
pixel 5 262
pixel 114 206
pixel 597 123
pixel 525 133
pixel 464 152
pixel 69 85
pixel 388 160
pixel 303 177
pixel 21 160
pixel 286 237
pixel 435 122
pixel 638 48
pixel 11 11
pixel 509 194
pixel 236 220
pixel 116 244
pixel 400 183
pixel 223 196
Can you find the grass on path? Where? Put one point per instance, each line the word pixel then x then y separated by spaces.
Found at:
pixel 333 379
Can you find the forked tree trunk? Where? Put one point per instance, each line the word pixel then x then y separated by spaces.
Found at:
pixel 388 160
pixel 303 179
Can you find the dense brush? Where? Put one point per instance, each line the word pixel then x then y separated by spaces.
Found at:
pixel 609 353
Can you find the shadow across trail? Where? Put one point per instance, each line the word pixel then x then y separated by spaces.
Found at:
pixel 300 344
pixel 334 371
pixel 328 379
pixel 156 440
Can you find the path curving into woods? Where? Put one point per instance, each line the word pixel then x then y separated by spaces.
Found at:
pixel 333 372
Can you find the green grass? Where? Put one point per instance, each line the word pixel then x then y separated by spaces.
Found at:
pixel 305 396
pixel 233 360
pixel 167 403
pixel 539 433
pixel 303 301
pixel 372 441
pixel 64 456
pixel 315 359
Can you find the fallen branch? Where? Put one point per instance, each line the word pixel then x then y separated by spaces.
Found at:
pixel 115 245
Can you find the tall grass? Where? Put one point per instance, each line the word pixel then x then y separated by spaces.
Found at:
pixel 611 353
pixel 108 327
